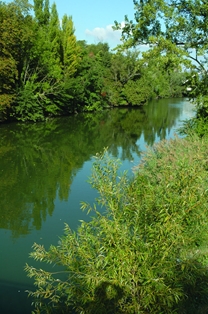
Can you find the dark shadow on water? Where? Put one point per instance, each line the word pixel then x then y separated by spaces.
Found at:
pixel 14 298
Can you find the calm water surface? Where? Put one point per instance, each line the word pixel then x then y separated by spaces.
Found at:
pixel 44 169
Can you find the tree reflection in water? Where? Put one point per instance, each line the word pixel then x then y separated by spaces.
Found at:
pixel 39 161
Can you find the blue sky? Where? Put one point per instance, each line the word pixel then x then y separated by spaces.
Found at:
pixel 93 19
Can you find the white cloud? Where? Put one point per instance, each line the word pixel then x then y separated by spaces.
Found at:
pixel 106 34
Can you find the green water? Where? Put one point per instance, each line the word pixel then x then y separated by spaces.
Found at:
pixel 44 169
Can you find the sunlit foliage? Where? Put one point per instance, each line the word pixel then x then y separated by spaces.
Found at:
pixel 176 30
pixel 46 72
pixel 147 253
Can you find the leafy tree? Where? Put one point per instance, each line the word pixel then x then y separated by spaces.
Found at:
pixel 87 87
pixel 179 22
pixel 137 92
pixel 71 50
pixel 124 67
pixel 136 80
pixel 15 41
pixel 176 29
pixel 41 10
pixel 54 32
pixel 45 72
pixel 40 94
pixel 147 253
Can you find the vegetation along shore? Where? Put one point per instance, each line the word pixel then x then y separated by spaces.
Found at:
pixel 147 251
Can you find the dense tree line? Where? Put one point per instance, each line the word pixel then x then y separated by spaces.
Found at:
pixel 45 71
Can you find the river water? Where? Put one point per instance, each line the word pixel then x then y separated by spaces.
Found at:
pixel 44 169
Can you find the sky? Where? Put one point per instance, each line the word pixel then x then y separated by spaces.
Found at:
pixel 93 19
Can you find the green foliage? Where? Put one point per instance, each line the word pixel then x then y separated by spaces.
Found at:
pixel 38 100
pixel 147 252
pixel 55 34
pixel 202 106
pixel 88 87
pixel 137 92
pixel 41 9
pixel 195 126
pixel 136 80
pixel 174 30
pixel 124 70
pixel 42 88
pixel 181 23
pixel 45 72
pixel 157 81
pixel 14 43
pixel 28 107
pixel 71 50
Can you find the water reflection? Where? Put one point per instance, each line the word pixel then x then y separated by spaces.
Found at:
pixel 39 161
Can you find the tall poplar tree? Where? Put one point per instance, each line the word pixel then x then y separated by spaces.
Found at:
pixel 54 33
pixel 41 9
pixel 71 50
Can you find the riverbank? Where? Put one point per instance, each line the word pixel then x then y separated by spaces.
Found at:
pixel 146 253
pixel 45 168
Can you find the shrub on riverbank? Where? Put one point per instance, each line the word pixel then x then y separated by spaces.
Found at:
pixel 147 253
pixel 197 126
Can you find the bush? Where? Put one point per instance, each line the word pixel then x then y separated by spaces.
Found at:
pixel 147 253
pixel 195 127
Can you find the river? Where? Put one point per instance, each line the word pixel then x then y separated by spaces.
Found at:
pixel 44 168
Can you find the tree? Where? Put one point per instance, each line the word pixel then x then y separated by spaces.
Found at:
pixel 54 32
pixel 147 252
pixel 87 86
pixel 41 10
pixel 174 28
pixel 182 23
pixel 15 42
pixel 71 51
pixel 41 92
